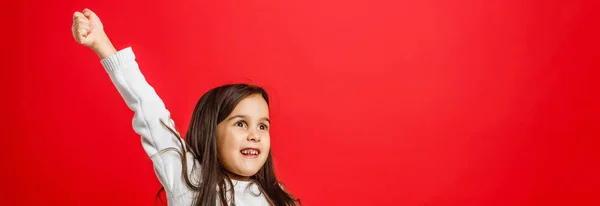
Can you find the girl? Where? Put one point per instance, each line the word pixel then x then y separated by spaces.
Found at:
pixel 225 157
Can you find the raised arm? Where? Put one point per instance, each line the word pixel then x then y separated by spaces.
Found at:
pixel 151 118
pixel 149 110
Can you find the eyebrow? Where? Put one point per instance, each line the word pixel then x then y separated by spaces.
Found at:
pixel 246 117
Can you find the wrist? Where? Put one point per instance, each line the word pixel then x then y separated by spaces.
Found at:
pixel 103 47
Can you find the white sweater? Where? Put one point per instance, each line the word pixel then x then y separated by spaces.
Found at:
pixel 149 110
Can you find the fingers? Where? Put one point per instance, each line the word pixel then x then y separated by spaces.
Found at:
pixel 81 27
pixel 80 22
pixel 85 14
pixel 88 13
pixel 80 35
pixel 83 31
pixel 78 16
pixel 86 27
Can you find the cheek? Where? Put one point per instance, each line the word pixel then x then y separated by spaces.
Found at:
pixel 266 142
pixel 230 141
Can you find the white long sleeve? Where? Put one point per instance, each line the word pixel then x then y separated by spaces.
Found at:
pixel 149 110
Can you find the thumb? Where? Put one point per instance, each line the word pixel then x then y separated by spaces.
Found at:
pixel 88 13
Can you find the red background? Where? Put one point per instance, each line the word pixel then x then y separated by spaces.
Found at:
pixel 374 102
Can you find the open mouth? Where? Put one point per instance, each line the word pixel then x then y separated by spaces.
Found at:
pixel 250 153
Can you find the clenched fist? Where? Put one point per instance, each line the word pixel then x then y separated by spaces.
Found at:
pixel 88 30
pixel 86 27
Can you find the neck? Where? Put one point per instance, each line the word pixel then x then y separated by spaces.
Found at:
pixel 237 177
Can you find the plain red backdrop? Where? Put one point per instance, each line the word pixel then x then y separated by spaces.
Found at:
pixel 374 102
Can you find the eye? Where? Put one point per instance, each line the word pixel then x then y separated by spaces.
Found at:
pixel 263 127
pixel 240 124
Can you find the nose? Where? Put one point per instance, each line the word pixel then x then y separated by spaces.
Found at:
pixel 253 136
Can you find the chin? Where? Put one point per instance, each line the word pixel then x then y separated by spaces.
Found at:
pixel 251 167
pixel 250 172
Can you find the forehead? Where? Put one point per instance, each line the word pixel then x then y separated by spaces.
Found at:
pixel 254 106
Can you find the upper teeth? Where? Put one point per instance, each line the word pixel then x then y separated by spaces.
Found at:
pixel 250 151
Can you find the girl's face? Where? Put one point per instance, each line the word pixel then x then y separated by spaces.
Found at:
pixel 243 140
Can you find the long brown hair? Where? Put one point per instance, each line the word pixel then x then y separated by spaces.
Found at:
pixel 201 140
